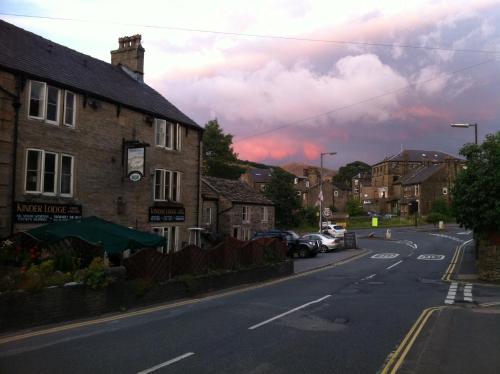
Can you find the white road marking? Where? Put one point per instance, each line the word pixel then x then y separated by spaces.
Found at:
pixel 452 292
pixel 428 257
pixel 385 256
pixel 468 293
pixel 396 264
pixel 448 237
pixel 169 362
pixel 409 243
pixel 464 232
pixel 368 277
pixel 289 312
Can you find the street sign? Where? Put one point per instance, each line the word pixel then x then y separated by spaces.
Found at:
pixel 385 256
pixel 374 221
pixel 430 257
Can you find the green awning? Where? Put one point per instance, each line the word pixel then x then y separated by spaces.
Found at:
pixel 96 231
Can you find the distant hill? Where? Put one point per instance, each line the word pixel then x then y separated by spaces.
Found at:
pixel 297 169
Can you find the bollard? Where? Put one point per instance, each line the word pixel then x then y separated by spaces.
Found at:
pixel 388 234
pixel 441 225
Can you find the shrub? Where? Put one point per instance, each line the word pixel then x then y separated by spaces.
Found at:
pixel 141 287
pixel 434 218
pixel 95 276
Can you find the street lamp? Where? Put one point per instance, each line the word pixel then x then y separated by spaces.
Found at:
pixel 321 188
pixel 466 126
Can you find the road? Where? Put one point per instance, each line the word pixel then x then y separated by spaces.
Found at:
pixel 339 319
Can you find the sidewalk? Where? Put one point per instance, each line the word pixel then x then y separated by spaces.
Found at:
pixel 463 338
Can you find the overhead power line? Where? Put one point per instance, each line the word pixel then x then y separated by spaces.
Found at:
pixel 264 36
pixel 372 98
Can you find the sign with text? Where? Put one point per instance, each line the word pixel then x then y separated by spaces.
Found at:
pixel 135 163
pixel 166 214
pixel 27 212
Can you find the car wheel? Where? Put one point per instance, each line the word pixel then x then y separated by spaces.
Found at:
pixel 302 252
pixel 323 249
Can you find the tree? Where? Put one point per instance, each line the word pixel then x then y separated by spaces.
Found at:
pixel 354 208
pixel 475 194
pixel 219 158
pixel 281 192
pixel 347 172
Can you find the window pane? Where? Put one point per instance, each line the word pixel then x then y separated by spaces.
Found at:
pixel 176 136
pixel 36 99
pixel 168 135
pixel 66 175
pixel 69 109
pixel 158 183
pixel 175 186
pixel 166 186
pixel 33 170
pixel 160 132
pixel 52 103
pixel 49 173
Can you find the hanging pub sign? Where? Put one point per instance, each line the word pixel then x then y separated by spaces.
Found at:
pixel 135 158
pixel 166 214
pixel 27 212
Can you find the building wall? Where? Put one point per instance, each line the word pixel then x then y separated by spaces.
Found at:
pixel 100 184
pixel 8 82
pixel 211 226
pixel 339 202
pixel 233 217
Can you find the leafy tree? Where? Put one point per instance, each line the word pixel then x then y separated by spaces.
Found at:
pixel 348 171
pixel 219 158
pixel 354 208
pixel 475 195
pixel 441 206
pixel 281 192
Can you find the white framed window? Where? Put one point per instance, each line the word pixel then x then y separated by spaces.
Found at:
pixel 336 193
pixel 33 176
pixel 48 173
pixel 207 219
pixel 167 135
pixel 66 180
pixel 445 190
pixel 265 214
pixel 171 235
pixel 307 183
pixel 69 108
pixel 167 185
pixel 237 232
pixel 49 181
pixel 417 190
pixel 295 180
pixel 46 103
pixel 37 100
pixel 245 215
pixel 246 233
pixel 53 105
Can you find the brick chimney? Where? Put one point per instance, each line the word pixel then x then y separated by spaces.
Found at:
pixel 130 55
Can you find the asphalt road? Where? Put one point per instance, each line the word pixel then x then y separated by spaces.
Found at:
pixel 341 319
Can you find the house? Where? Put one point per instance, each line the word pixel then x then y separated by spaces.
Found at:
pixel 232 208
pixel 82 137
pixel 334 196
pixel 257 178
pixel 388 174
pixel 362 190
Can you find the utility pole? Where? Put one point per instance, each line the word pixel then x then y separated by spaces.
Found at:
pixel 320 196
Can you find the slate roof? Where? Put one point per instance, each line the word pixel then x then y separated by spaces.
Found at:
pixel 418 155
pixel 260 175
pixel 40 58
pixel 234 190
pixel 421 174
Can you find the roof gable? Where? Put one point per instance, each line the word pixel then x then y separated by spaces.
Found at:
pixel 234 190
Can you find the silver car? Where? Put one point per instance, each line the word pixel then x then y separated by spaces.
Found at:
pixel 327 243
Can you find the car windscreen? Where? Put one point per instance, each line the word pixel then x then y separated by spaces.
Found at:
pixel 338 227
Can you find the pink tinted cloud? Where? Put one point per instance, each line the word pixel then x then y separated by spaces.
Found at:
pixel 312 151
pixel 423 111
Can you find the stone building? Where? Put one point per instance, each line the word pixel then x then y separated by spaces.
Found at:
pixel 82 137
pixel 334 196
pixel 362 190
pixel 232 208
pixel 257 178
pixel 388 174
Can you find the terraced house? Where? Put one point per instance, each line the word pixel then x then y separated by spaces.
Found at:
pixel 82 137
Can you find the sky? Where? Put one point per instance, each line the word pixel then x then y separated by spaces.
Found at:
pixel 291 79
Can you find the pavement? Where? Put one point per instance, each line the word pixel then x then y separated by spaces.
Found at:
pixel 461 337
pixel 369 312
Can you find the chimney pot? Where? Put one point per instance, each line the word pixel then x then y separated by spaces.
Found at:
pixel 130 54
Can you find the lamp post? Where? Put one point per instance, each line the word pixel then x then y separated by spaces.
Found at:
pixel 321 188
pixel 466 126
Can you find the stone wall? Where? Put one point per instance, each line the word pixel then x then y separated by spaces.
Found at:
pixel 100 184
pixel 489 261
pixel 19 309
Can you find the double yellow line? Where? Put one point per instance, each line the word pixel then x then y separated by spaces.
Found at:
pixel 454 261
pixel 397 358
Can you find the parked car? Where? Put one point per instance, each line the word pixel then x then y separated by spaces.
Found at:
pixel 328 243
pixel 297 246
pixel 336 231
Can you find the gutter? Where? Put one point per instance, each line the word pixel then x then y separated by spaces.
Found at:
pixel 16 104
